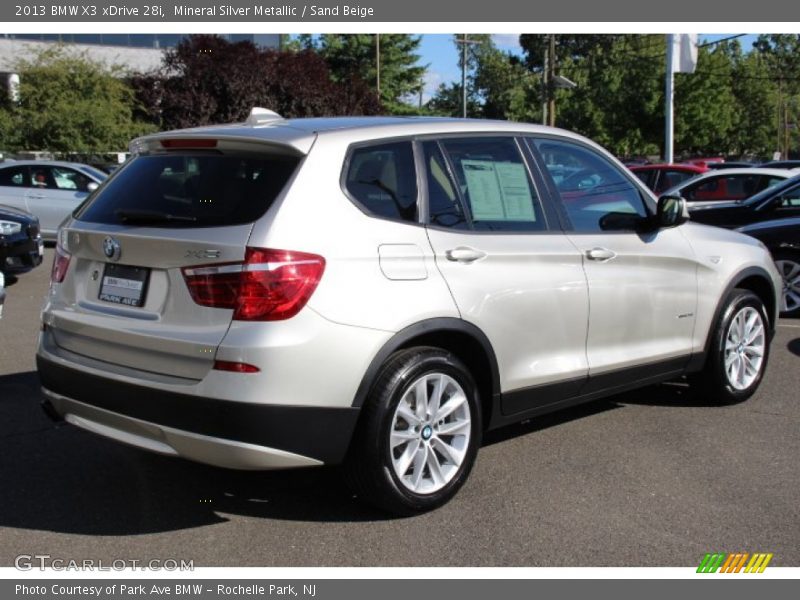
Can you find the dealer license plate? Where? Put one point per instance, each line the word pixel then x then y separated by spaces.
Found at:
pixel 123 284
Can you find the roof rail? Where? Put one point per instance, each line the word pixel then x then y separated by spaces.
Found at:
pixel 260 116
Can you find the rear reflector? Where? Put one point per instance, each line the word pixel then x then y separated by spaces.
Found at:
pixel 235 367
pixel 60 265
pixel 270 285
pixel 188 143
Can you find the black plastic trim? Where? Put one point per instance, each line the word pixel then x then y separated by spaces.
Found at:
pixel 316 432
pixel 440 324
pixel 550 398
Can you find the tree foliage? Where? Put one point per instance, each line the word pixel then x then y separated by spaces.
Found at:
pixel 355 57
pixel 206 79
pixel 69 103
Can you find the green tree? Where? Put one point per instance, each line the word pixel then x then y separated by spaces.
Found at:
pixel 498 85
pixel 753 131
pixel 619 98
pixel 354 56
pixel 705 104
pixel 69 103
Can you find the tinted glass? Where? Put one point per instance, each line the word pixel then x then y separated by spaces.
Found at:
pixel 201 190
pixel 444 205
pixel 646 177
pixel 724 187
pixel 493 181
pixel 14 176
pixel 42 178
pixel 383 180
pixel 671 179
pixel 590 186
pixel 69 179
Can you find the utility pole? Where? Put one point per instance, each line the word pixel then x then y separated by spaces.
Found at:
pixel 551 99
pixel 378 64
pixel 545 85
pixel 464 43
pixel 779 120
pixel 669 119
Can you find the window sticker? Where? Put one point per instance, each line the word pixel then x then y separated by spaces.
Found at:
pixel 498 191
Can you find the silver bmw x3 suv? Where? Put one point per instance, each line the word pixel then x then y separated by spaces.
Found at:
pixel 379 292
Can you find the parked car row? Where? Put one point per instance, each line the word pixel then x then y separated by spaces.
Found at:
pixel 51 190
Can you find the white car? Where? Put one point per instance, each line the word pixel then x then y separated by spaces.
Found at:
pixel 728 185
pixel 51 190
pixel 379 292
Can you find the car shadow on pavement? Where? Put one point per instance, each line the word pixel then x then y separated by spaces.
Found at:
pixel 59 478
pixel 794 346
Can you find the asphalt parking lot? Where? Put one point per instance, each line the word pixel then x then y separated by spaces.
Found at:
pixel 650 478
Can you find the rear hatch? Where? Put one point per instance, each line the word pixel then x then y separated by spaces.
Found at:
pixel 133 248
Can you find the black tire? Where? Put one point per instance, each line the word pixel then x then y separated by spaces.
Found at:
pixel 369 465
pixel 713 383
pixel 785 257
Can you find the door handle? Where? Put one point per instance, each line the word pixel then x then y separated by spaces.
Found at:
pixel 464 254
pixel 36 196
pixel 600 254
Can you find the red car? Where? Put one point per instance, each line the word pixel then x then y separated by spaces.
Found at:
pixel 660 178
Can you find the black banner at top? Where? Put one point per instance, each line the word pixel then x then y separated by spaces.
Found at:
pixel 466 11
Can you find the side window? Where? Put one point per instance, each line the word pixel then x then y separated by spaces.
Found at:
pixel 768 182
pixel 492 180
pixel 723 187
pixel 383 180
pixel 42 178
pixel 444 204
pixel 590 186
pixel 790 199
pixel 69 179
pixel 14 177
pixel 670 179
pixel 647 177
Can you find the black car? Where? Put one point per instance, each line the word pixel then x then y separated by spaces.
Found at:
pixel 781 164
pixel 782 237
pixel 21 246
pixel 780 201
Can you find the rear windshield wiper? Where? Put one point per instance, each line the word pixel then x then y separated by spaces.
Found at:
pixel 151 216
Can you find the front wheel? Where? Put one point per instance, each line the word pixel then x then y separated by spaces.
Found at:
pixel 419 433
pixel 739 350
pixel 788 264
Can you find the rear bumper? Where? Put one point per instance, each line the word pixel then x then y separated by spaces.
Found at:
pixel 229 434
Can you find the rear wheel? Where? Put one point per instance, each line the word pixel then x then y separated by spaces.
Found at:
pixel 739 350
pixel 788 264
pixel 419 433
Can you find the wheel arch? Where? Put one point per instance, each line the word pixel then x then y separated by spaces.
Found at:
pixel 754 279
pixel 463 339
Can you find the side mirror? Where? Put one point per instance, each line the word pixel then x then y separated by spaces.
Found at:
pixel 671 212
pixel 92 186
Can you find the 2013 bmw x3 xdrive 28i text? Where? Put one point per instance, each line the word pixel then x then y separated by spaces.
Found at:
pixel 379 292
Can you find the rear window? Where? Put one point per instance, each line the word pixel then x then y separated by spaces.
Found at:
pixel 190 190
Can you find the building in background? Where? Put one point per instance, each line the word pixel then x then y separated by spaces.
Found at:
pixel 133 52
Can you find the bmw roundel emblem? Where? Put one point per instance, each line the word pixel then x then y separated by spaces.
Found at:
pixel 111 248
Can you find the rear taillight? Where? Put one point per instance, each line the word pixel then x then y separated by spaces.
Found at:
pixel 60 265
pixel 270 285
